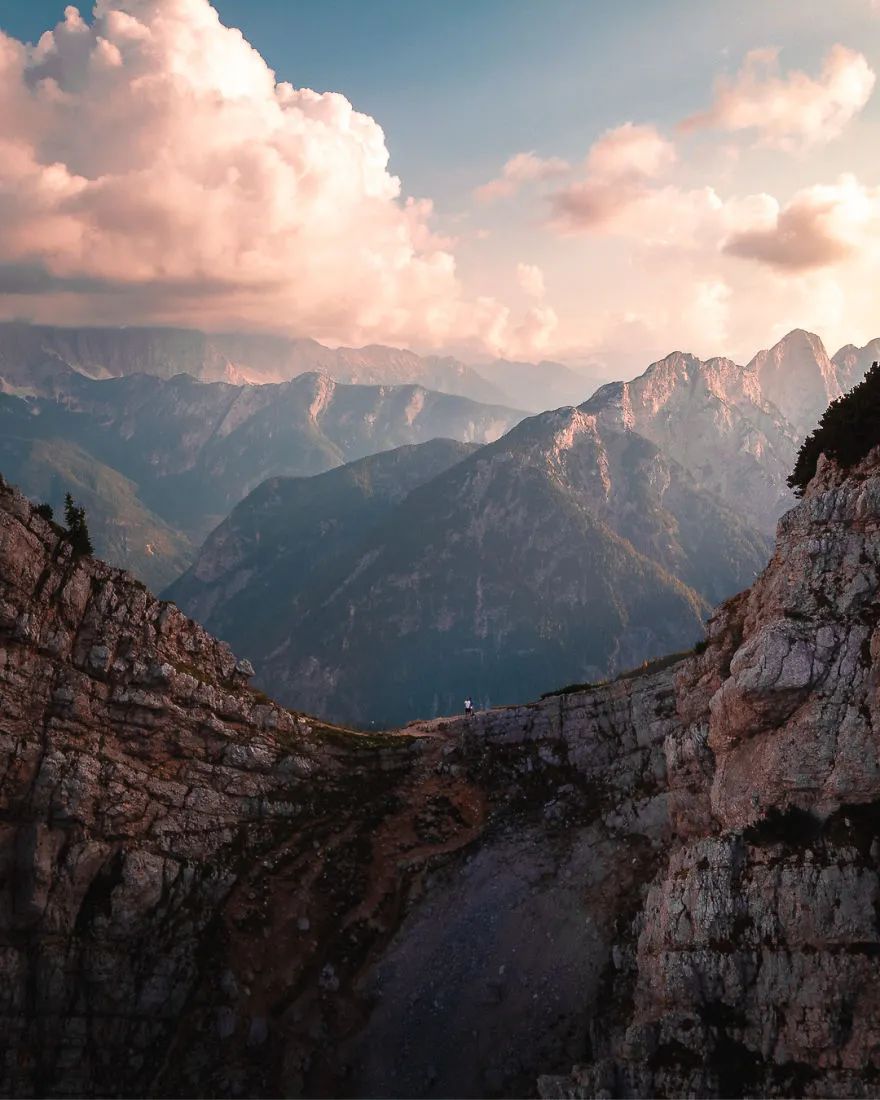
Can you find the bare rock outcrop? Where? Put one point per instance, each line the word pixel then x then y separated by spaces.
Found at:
pixel 753 966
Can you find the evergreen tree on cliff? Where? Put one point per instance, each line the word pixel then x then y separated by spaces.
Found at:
pixel 848 430
pixel 77 528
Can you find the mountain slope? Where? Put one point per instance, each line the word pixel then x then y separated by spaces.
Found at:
pixel 122 527
pixel 266 552
pixel 797 377
pixel 852 362
pixel 558 552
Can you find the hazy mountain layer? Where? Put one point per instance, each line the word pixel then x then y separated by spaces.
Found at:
pixel 120 524
pixel 282 535
pixel 226 357
pixel 188 451
pixel 537 386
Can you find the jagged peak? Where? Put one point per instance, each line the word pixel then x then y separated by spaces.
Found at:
pixel 793 341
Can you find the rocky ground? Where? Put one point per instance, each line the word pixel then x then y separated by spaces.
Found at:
pixel 668 882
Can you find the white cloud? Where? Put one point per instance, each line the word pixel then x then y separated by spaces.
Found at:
pixel 534 333
pixel 520 169
pixel 531 279
pixel 792 110
pixel 630 152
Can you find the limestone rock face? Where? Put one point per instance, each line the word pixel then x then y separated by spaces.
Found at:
pixel 753 965
pixel 668 882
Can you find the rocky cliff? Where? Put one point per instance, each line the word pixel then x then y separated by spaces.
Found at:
pixel 669 882
pixel 752 968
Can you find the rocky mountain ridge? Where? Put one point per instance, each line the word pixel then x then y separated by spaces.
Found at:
pixel 736 429
pixel 712 418
pixel 321 913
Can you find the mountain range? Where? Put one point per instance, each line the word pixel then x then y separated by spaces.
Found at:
pixel 560 552
pixel 582 541
pixel 159 462
pixel 258 358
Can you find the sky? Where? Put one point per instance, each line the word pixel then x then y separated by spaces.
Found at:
pixel 594 182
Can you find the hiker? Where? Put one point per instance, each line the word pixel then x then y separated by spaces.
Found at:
pixel 468 707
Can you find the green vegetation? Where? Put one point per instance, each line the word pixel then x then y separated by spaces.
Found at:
pixel 77 528
pixel 848 430
pixel 45 510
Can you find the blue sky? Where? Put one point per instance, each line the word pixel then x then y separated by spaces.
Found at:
pixel 461 86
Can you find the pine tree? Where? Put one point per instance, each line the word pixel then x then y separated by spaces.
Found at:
pixel 848 430
pixel 45 510
pixel 77 528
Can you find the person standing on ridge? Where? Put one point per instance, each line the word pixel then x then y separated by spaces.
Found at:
pixel 468 707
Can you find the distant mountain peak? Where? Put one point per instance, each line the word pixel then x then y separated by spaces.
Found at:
pixel 798 377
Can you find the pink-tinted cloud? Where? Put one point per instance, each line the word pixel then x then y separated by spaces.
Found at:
pixel 822 226
pixel 789 110
pixel 621 168
pixel 153 169
pixel 534 333
pixel 630 152
pixel 520 169
pixel 531 279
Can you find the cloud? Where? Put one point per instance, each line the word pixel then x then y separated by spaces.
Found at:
pixel 792 110
pixel 630 152
pixel 534 333
pixel 821 226
pixel 153 169
pixel 621 168
pixel 531 279
pixel 521 168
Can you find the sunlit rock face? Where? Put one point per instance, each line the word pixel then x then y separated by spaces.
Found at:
pixel 736 429
pixel 668 882
pixel 797 376
pixel 712 417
